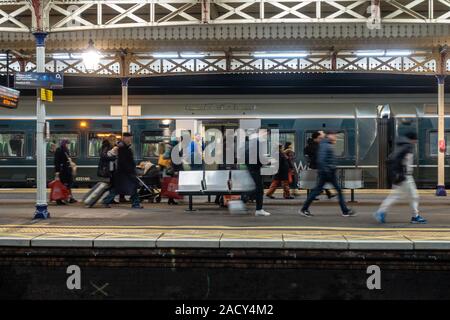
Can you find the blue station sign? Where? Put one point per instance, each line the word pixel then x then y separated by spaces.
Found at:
pixel 36 80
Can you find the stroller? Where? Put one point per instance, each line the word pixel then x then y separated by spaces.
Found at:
pixel 149 178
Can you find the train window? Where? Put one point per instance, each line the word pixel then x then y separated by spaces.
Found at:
pixel 433 143
pixel 12 144
pixel 95 140
pixel 339 149
pixel 150 141
pixel 55 140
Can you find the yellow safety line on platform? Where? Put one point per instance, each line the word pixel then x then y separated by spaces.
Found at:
pixel 373 229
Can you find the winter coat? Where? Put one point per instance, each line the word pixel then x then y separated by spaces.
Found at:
pixel 311 153
pixel 283 167
pixel 125 181
pixel 326 158
pixel 106 164
pixel 62 166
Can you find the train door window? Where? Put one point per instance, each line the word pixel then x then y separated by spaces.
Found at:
pixel 150 142
pixel 12 144
pixel 339 149
pixel 95 140
pixel 433 143
pixel 283 137
pixel 55 140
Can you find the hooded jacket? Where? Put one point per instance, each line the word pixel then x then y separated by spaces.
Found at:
pixel 400 161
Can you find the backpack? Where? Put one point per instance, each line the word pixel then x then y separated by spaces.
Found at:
pixel 395 166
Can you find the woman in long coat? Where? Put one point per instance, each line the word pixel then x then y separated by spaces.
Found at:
pixel 63 170
pixel 282 176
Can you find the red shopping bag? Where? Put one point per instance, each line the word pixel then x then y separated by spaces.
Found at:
pixel 58 191
pixel 169 188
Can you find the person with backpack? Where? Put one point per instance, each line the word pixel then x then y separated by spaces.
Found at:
pixel 400 168
pixel 327 173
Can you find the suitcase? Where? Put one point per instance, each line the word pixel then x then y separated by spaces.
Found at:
pixel 95 194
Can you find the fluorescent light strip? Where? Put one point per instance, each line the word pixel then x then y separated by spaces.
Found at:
pixel 280 54
pixel 192 55
pixel 165 55
pixel 373 53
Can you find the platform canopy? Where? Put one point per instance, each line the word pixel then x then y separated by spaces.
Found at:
pixel 164 37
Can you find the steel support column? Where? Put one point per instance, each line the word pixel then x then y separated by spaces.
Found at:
pixel 41 174
pixel 125 127
pixel 440 189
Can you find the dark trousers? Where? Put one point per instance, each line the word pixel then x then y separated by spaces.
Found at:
pixel 324 178
pixel 259 188
pixel 112 194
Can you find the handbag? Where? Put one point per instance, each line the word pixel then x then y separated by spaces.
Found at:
pixel 72 165
pixel 58 191
pixel 169 187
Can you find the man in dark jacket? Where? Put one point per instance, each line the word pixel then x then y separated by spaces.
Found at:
pixel 311 154
pixel 125 181
pixel 327 173
pixel 400 165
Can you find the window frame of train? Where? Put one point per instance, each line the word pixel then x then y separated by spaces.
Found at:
pixel 51 155
pixel 159 133
pixel 308 133
pixel 96 132
pixel 282 132
pixel 428 143
pixel 24 145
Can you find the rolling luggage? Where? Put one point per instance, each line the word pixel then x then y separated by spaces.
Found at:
pixel 95 194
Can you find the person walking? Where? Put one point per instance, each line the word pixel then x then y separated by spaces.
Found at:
pixel 311 154
pixel 327 173
pixel 281 177
pixel 290 154
pixel 63 169
pixel 255 172
pixel 400 166
pixel 165 163
pixel 108 161
pixel 124 181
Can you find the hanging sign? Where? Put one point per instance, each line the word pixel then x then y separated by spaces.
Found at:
pixel 9 98
pixel 36 80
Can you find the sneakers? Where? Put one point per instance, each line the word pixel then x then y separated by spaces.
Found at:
pixel 305 212
pixel 349 213
pixel 418 219
pixel 270 196
pixel 380 217
pixel 262 213
pixel 137 207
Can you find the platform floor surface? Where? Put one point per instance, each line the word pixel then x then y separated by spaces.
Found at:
pixel 161 225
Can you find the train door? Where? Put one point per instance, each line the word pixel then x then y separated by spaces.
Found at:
pixel 386 137
pixel 211 135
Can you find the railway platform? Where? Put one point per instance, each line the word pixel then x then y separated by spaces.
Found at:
pixel 164 252
pixel 161 225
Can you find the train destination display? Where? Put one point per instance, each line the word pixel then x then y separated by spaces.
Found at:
pixel 9 98
pixel 36 80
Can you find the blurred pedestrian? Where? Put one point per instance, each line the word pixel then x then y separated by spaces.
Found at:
pixel 400 166
pixel 311 153
pixel 125 181
pixel 281 177
pixel 327 174
pixel 64 169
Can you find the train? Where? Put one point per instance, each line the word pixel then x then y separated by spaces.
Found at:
pixel 367 125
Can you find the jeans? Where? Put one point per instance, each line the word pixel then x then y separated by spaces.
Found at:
pixel 259 188
pixel 324 178
pixel 405 188
pixel 112 194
